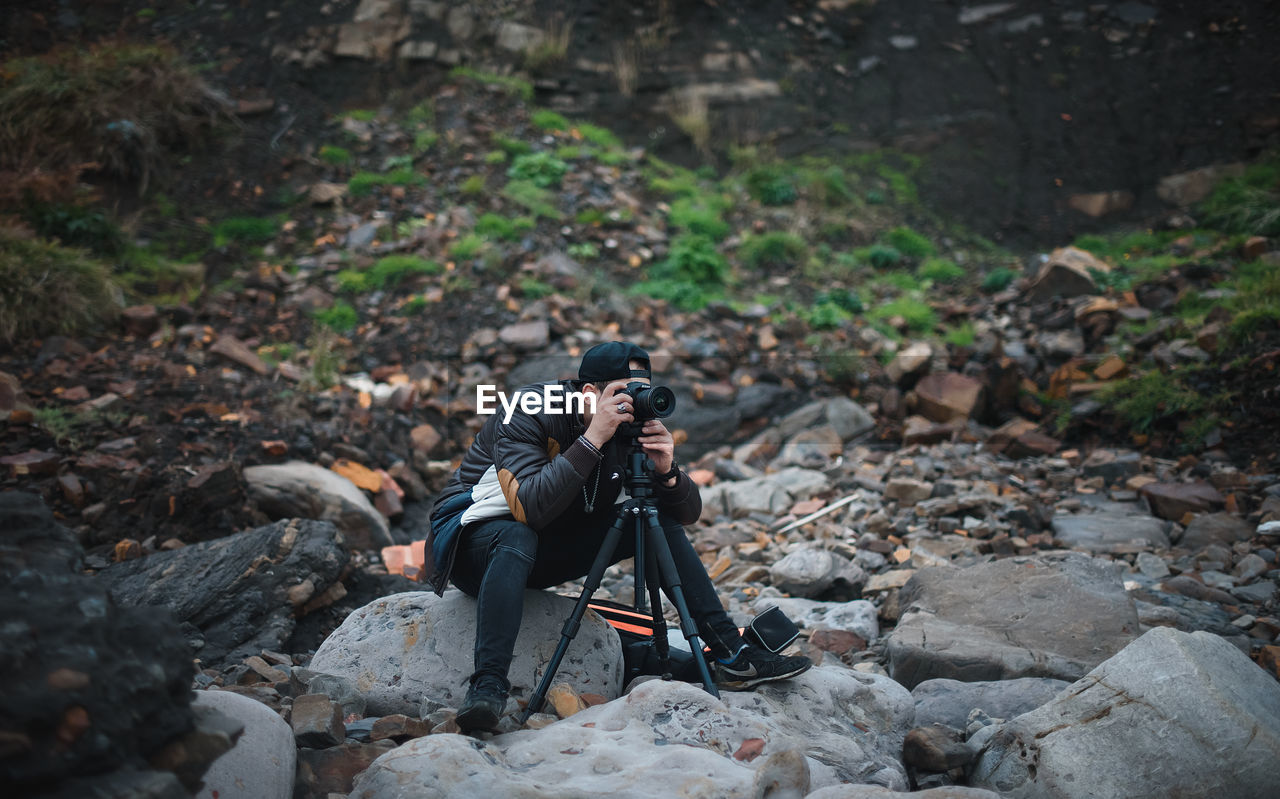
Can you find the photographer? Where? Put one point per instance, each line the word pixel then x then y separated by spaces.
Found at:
pixel 529 507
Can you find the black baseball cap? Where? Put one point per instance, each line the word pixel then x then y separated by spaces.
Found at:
pixel 612 361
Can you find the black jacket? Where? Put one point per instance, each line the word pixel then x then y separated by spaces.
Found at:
pixel 532 469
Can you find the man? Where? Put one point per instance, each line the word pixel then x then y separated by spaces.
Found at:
pixel 529 507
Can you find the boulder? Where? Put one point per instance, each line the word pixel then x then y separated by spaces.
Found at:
pixel 90 685
pixel 876 792
pixel 674 739
pixel 241 594
pixel 811 571
pixel 813 447
pixel 1110 532
pixel 1215 528
pixel 1186 189
pixel 948 397
pixel 402 648
pixel 1172 714
pixel 262 763
pixel 848 418
pixel 857 616
pixel 1175 500
pixel 949 702
pixel 1055 615
pixel 908 490
pixel 1066 274
pixel 909 362
pixel 305 490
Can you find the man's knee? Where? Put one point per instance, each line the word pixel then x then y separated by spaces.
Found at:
pixel 518 538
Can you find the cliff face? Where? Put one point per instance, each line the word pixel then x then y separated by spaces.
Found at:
pixel 1016 107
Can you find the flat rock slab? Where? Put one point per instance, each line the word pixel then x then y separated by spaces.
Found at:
pixel 406 647
pixel 1111 532
pixel 949 702
pixel 243 592
pixel 673 739
pixel 1054 615
pixel 1172 714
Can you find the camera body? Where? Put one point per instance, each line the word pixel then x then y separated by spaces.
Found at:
pixel 650 402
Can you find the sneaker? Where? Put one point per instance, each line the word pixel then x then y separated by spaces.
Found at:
pixel 486 699
pixel 754 665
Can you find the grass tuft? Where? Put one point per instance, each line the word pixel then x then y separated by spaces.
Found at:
pixel 46 288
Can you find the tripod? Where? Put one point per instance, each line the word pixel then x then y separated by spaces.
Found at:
pixel 654 569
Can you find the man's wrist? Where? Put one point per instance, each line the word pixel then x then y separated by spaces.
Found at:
pixel 671 474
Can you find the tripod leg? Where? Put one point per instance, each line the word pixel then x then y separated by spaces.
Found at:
pixel 660 643
pixel 574 621
pixel 671 579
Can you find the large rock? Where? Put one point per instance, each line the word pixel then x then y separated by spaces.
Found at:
pixel 1224 529
pixel 1056 615
pixel 1185 189
pixel 262 763
pixel 240 594
pixel 89 686
pixel 305 490
pixel 848 418
pixel 1111 532
pixel 1067 273
pixel 771 494
pixel 948 396
pixel 406 647
pixel 1172 714
pixel 949 702
pixel 858 616
pixel 674 739
pixel 812 571
pixel 1175 500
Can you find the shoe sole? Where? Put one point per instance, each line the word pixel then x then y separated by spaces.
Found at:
pixel 752 682
pixel 478 718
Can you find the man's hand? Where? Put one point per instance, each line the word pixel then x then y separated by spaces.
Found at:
pixel 658 444
pixel 611 411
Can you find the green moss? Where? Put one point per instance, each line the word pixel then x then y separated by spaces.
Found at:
pixel 600 137
pixel 770 184
pixel 898 280
pixel 919 317
pixel 494 157
pixel 962 335
pixel 390 270
pixel 245 230
pixel 424 140
pixel 340 317
pixel 693 258
pixel 536 200
pixel 544 119
pixel 773 249
pixel 335 156
pixel 467 247
pixel 1249 204
pixel 826 316
pixel 590 216
pixel 362 184
pixel 583 251
pixel 910 243
pixel 998 279
pixel 473 186
pixel 496 226
pixel 940 270
pixel 1142 401
pixel 882 256
pixel 534 289
pixel 512 146
pixel 521 88
pixel 1256 303
pixel 542 169
pixel 700 215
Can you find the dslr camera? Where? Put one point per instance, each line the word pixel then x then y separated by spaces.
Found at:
pixel 650 402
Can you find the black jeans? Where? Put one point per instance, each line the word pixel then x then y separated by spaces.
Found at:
pixel 498 558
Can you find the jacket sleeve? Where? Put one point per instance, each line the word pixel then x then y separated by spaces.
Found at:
pixel 682 501
pixel 539 482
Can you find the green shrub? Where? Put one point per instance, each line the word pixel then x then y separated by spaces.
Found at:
pixel 829 187
pixel 826 316
pixel 694 258
pixel 78 226
pixel 335 156
pixel 244 229
pixel 919 317
pixel 962 335
pixel 352 281
pixel 537 200
pixel 590 216
pixel 699 215
pixel 671 180
pixel 46 288
pixel 882 256
pixel 362 184
pixel 1249 204
pixel 494 157
pixel 467 247
pixel 542 169
pixel 521 88
pixel 339 317
pixel 770 185
pixel 910 243
pixel 583 251
pixel 774 249
pixel 390 270
pixel 511 146
pixel 424 140
pixel 998 279
pixel 600 137
pixel 472 186
pixel 897 279
pixel 424 113
pixel 496 226
pixel 1256 304
pixel 940 270
pixel 549 120
pixel 535 289
pixel 1143 400
pixel 573 152
pixel 842 298
pixel 130 110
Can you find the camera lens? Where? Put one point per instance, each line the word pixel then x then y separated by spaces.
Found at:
pixel 652 402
